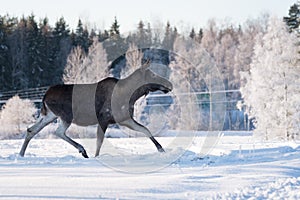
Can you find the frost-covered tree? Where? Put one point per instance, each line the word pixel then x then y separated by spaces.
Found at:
pixel 133 60
pixel 169 37
pixel 16 113
pixel 224 54
pixel 252 31
pixel 143 37
pixel 210 34
pixel 95 63
pixel 184 113
pixel 74 65
pixel 221 45
pixel 272 89
pixel 90 68
pixel 199 68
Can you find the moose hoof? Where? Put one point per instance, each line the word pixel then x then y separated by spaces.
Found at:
pixel 161 150
pixel 83 153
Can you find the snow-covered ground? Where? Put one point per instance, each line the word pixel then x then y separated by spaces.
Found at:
pixel 238 167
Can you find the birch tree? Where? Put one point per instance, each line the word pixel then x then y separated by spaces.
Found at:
pixel 133 60
pixel 272 90
pixel 184 114
pixel 74 65
pixel 90 68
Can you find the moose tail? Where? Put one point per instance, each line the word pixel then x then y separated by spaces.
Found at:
pixel 44 108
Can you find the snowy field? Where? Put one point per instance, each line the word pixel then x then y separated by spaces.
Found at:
pixel 238 167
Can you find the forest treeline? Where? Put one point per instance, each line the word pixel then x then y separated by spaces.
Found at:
pixel 34 53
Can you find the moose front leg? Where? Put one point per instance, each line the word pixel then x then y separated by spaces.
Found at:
pixel 43 121
pixel 158 146
pixel 134 125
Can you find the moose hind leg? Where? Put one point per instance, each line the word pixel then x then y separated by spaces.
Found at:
pixel 35 129
pixel 100 136
pixel 134 125
pixel 61 132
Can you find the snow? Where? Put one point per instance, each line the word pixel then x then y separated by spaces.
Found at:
pixel 238 167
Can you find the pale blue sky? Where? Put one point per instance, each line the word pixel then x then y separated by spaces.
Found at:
pixel 183 14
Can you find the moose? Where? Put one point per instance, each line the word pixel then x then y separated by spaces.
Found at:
pixel 108 101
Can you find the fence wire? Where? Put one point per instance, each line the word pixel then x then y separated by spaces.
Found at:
pixel 235 119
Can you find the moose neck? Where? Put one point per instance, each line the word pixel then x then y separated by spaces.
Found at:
pixel 139 92
pixel 136 85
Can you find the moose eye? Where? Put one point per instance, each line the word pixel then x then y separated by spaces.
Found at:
pixel 153 75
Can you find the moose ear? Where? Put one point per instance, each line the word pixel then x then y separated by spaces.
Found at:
pixel 146 64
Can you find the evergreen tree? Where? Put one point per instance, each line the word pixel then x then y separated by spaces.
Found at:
pixel 82 37
pixel 46 49
pixel 33 69
pixel 116 46
pixel 61 47
pixel 293 20
pixel 103 35
pixel 115 29
pixel 168 40
pixel 200 35
pixel 156 38
pixel 141 35
pixel 149 36
pixel 192 34
pixel 92 35
pixel 19 46
pixel 61 28
pixel 7 25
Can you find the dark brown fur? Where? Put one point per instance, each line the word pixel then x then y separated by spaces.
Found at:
pixel 106 102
